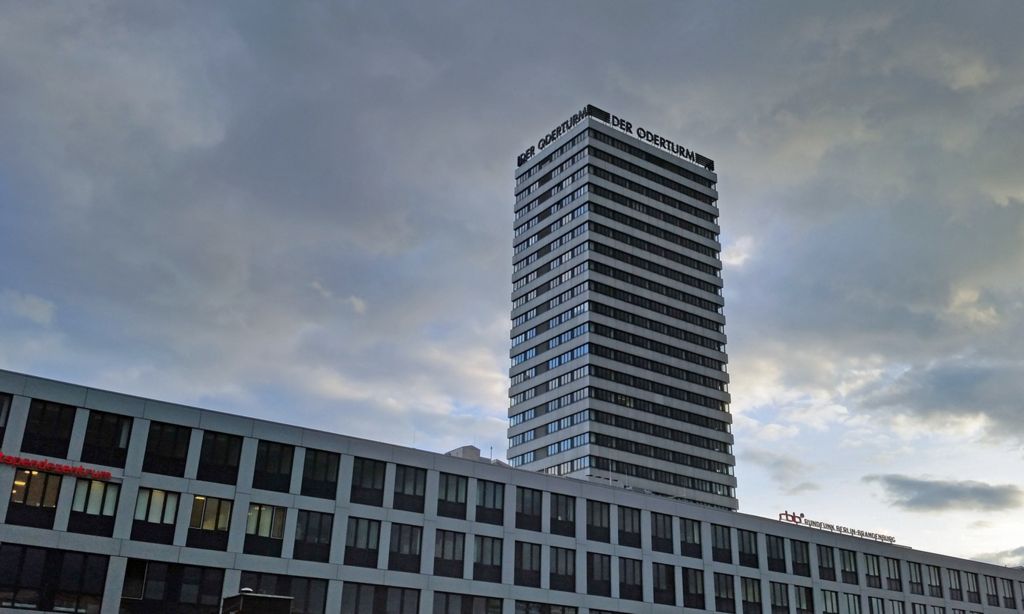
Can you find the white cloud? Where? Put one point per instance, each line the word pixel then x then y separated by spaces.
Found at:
pixel 27 306
pixel 737 253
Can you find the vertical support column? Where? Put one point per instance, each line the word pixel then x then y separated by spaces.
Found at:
pixel 63 512
pixel 113 585
pixel 136 448
pixel 195 449
pixel 246 465
pixel 78 434
pixel 384 544
pixel 334 590
pixel 471 498
pixel 389 485
pixel 298 466
pixel 581 540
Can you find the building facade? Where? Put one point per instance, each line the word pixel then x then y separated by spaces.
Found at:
pixel 618 364
pixel 114 503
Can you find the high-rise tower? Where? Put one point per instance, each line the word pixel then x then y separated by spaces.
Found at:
pixel 618 344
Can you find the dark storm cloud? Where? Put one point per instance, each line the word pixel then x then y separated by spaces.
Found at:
pixel 926 495
pixel 306 209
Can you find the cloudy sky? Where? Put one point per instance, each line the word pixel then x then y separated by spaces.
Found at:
pixel 303 211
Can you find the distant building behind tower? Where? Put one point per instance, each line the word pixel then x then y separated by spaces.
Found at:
pixel 618 364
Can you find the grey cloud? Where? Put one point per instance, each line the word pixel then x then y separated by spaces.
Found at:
pixel 173 179
pixel 1009 558
pixel 956 388
pixel 929 495
pixel 786 471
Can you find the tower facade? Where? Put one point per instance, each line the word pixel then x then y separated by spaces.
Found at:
pixel 618 363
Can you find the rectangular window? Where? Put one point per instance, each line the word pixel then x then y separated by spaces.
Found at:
pixel 454 603
pixel 209 523
pixel 689 538
pixel 801 552
pixel 563 570
pixel 48 429
pixel 451 495
pixel 320 474
pixel 631 579
pixel 528 508
pixel 487 559
pixel 368 482
pixel 5 413
pixel 848 566
pixel 150 586
pixel 155 514
pixel 273 469
pixel 803 596
pixel 410 488
pixel 876 605
pixel 598 521
pixel 33 499
pixel 829 602
pixel 664 577
pixel 51 580
pixel 1009 601
pixel 872 571
pixel 693 588
pixel 629 526
pixel 893 576
pixel 991 588
pixel 375 599
pixel 599 574
pixel 527 564
pixel 309 596
pixel 490 502
pixel 362 542
pixel 852 603
pixel 780 598
pixel 264 529
pixel 898 607
pixel 725 593
pixel 563 515
pixel 955 590
pixel 827 563
pixel 166 449
pixel 93 507
pixel 449 553
pixel 530 607
pixel 721 543
pixel 219 457
pixel 748 548
pixel 661 532
pixel 918 608
pixel 776 547
pixel 971 579
pixel 106 439
pixel 916 578
pixel 751 589
pixel 404 549
pixel 313 536
pixel 934 575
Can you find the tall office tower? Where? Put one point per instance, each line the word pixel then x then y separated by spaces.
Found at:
pixel 618 350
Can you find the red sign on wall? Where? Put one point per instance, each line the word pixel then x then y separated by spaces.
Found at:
pixel 51 467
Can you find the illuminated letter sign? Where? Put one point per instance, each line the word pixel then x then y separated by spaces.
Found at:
pixel 51 467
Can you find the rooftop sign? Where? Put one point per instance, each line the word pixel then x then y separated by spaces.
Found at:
pixel 51 467
pixel 794 518
pixel 622 124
